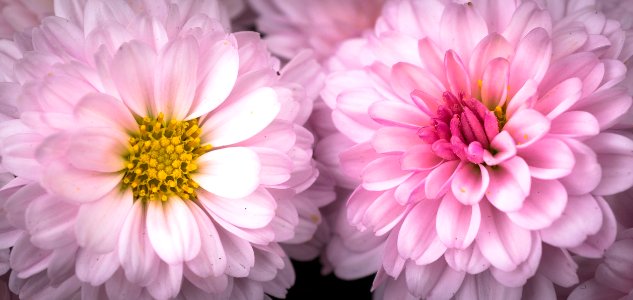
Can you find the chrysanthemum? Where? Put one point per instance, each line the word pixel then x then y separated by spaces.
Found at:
pixel 481 134
pixel 18 15
pixel 160 155
pixel 291 26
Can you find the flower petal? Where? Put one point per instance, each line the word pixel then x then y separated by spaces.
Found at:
pixel 384 173
pixel 99 223
pixel 457 224
pixel 397 114
pixel 136 253
pixel 419 158
pixel 172 230
pixel 527 126
pixel 217 82
pixel 560 98
pixel 548 159
pixel 229 172
pixel 417 238
pixel 175 84
pixel 531 59
pixel 470 183
pixel 253 211
pixel 543 206
pixel 504 244
pixel 132 72
pixel 509 184
pixel 78 185
pixel 582 217
pixel 394 139
pixel 211 261
pixel 242 118
pixel 456 74
pixel 437 182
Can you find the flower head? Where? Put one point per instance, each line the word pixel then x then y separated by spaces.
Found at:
pixel 481 133
pixel 291 26
pixel 160 155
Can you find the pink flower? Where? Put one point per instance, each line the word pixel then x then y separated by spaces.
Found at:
pixel 481 132
pixel 18 15
pixel 613 277
pixel 156 155
pixel 291 26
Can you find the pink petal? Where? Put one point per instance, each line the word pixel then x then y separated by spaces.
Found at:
pixel 417 238
pixel 531 60
pixel 211 261
pixel 548 159
pixel 78 185
pixel 491 47
pixel 395 139
pixel 50 222
pixel 596 244
pixel 354 159
pixel 276 167
pixel 217 78
pixel 527 126
pixel 97 150
pixel 136 253
pixel 470 183
pixel 509 184
pixel 240 255
pixel 19 155
pixel 433 281
pixel 132 73
pixel 607 115
pixel 560 98
pixel 587 165
pixel 384 213
pixel 419 158
pixel 582 217
pixel 455 18
pixel 358 203
pixel 558 266
pixel 456 74
pixel 253 211
pixel 614 156
pixel 543 206
pixel 95 268
pixel 457 224
pixel 397 114
pixel 575 124
pixel 229 172
pixel 519 276
pixel 432 58
pixel 504 148
pixel 176 78
pixel 27 259
pixel 99 222
pixel 384 173
pixel 167 284
pixel 522 99
pixel 494 88
pixel 407 190
pixel 119 288
pixel 502 243
pixel 467 260
pixel 405 78
pixel 172 230
pixel 101 110
pixel 437 182
pixel 242 118
pixel 484 286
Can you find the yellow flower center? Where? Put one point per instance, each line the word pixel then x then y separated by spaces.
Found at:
pixel 161 158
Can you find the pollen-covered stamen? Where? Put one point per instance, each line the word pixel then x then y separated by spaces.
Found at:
pixel 462 128
pixel 161 158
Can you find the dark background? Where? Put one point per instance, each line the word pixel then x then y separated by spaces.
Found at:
pixel 310 284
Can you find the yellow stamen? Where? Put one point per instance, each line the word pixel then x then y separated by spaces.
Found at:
pixel 161 158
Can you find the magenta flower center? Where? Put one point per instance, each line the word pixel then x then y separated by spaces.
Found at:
pixel 462 128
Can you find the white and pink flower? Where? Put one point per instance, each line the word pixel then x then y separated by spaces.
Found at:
pixel 481 137
pixel 160 155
